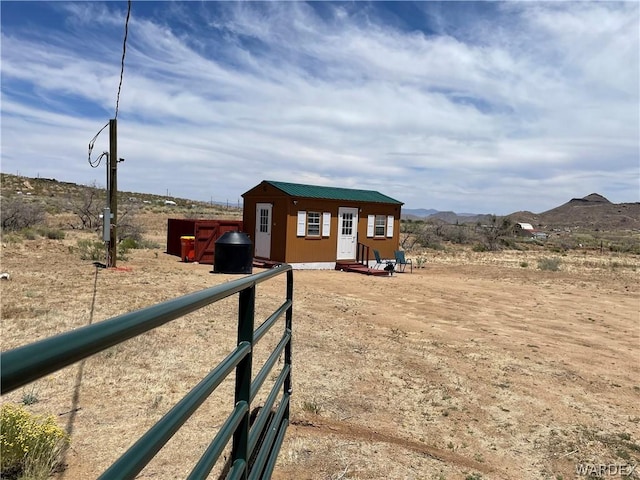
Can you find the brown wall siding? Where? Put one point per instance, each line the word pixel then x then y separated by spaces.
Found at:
pixel 313 249
pixel 324 249
pixel 385 246
pixel 279 200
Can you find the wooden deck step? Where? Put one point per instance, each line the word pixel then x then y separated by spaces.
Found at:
pixel 262 263
pixel 359 268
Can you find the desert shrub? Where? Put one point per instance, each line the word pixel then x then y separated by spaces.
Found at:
pixel 17 214
pixel 129 230
pixel 51 233
pixel 127 244
pixel 455 234
pixel 524 264
pixel 91 250
pixel 149 244
pixel 312 407
pixel 31 444
pixel 131 243
pixel 510 243
pixel 29 233
pixel 551 264
pixel 121 252
pixel 479 247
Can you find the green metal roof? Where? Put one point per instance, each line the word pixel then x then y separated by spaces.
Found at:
pixel 332 193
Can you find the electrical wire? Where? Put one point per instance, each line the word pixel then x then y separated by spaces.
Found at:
pixel 95 163
pixel 124 51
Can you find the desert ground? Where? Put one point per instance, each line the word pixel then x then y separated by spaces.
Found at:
pixel 476 366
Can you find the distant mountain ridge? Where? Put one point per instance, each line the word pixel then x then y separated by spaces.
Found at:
pixel 593 212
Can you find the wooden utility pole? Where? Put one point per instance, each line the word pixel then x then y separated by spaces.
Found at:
pixel 113 192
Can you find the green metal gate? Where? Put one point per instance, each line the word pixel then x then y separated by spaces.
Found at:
pixel 255 447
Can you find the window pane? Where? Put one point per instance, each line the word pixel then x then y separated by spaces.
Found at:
pixel 380 223
pixel 313 224
pixel 347 224
pixel 264 220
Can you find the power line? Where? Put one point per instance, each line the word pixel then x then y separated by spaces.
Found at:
pixel 92 143
pixel 124 51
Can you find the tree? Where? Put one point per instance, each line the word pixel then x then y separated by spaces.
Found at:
pixel 88 207
pixel 18 213
pixel 493 233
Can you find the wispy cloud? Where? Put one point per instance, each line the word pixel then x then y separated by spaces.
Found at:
pixel 494 108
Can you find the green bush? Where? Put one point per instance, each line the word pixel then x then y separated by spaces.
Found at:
pixel 127 244
pixel 29 233
pixel 51 233
pixel 31 445
pixel 479 247
pixel 91 250
pixel 551 264
pixel 131 243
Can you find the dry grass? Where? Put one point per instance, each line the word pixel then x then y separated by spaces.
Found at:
pixel 472 365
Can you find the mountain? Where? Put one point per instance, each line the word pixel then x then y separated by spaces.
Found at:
pixel 444 217
pixel 415 213
pixel 593 212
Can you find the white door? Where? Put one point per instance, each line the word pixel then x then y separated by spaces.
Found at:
pixel 263 230
pixel 347 233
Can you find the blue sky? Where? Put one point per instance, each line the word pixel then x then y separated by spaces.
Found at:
pixel 474 107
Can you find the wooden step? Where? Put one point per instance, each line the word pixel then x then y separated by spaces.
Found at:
pixel 356 267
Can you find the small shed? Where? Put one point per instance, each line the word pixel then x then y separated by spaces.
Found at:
pixel 312 226
pixel 206 232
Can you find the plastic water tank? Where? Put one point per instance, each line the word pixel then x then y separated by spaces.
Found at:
pixel 233 253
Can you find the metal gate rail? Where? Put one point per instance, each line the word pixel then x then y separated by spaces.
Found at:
pixel 36 360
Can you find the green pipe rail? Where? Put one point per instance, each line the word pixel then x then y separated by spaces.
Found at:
pixel 36 360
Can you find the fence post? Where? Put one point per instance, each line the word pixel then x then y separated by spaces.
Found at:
pixel 246 313
pixel 287 348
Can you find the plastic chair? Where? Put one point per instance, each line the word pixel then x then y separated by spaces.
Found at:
pixel 380 261
pixel 402 262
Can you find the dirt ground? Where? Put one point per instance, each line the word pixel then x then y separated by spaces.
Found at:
pixel 478 365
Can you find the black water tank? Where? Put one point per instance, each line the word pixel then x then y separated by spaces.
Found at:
pixel 233 253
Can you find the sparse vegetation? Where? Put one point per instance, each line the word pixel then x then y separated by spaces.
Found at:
pixel 551 264
pixel 19 214
pixel 91 250
pixel 30 396
pixel 312 406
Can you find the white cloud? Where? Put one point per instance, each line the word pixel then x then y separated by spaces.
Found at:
pixel 493 114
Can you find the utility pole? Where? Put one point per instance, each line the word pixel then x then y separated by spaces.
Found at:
pixel 113 192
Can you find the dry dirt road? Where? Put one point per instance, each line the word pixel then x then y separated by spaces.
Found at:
pixel 476 366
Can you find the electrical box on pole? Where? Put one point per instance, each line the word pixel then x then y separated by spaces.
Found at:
pixel 113 192
pixel 106 224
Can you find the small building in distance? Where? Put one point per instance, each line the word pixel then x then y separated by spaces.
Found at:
pixel 312 226
pixel 527 230
pixel 523 229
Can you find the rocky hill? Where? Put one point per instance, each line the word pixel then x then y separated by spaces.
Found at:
pixel 593 212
